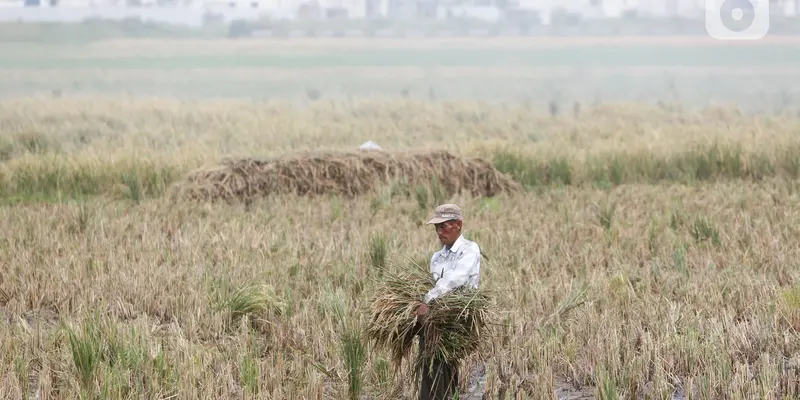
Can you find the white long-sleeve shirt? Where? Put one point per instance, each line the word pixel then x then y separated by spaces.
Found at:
pixel 455 267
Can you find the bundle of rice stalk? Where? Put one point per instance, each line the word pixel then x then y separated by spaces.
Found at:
pixel 453 327
pixel 256 301
pixel 393 320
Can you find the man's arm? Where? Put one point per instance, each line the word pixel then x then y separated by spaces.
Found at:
pixel 464 268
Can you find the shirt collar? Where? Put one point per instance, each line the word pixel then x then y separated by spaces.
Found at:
pixel 460 241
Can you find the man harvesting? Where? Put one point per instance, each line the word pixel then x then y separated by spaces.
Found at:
pixel 456 265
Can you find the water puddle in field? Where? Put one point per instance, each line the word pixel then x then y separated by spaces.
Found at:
pixel 476 389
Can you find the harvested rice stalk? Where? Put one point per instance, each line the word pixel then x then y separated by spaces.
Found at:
pixel 252 300
pixel 453 327
pixel 393 322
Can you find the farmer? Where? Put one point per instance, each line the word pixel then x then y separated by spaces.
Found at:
pixel 456 265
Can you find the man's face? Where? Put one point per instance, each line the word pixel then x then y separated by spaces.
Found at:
pixel 448 232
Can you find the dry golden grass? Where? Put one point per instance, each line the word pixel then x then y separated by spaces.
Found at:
pixel 640 287
pixel 187 133
pixel 696 284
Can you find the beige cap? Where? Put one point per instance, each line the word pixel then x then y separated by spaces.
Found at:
pixel 446 212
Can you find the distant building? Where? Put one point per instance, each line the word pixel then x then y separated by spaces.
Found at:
pixel 192 11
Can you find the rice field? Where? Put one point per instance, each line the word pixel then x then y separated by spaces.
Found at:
pixel 652 251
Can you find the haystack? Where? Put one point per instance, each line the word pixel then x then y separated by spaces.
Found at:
pixel 343 174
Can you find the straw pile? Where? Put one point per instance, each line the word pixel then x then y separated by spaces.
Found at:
pixel 454 326
pixel 346 175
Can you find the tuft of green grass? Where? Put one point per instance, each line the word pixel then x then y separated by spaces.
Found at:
pixel 132 185
pixel 378 252
pixel 439 192
pixel 652 237
pixel 558 172
pixel 703 229
pixel 381 371
pixel 788 306
pixel 605 387
pixel 676 219
pixel 85 347
pixel 351 341
pixel 399 189
pixel 679 259
pixel 249 373
pixel 421 195
pixel 522 168
pixel 354 355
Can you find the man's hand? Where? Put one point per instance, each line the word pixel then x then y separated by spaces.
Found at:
pixel 422 309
